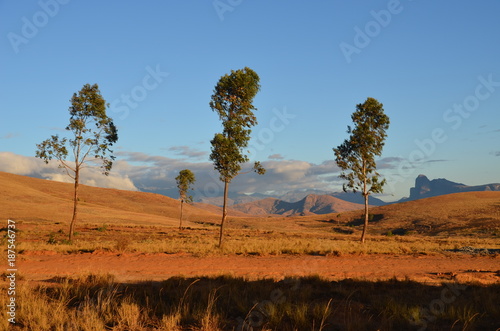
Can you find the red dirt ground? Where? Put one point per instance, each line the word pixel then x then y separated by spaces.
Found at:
pixel 131 267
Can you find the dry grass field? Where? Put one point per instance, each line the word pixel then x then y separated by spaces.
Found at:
pixel 99 302
pixel 131 268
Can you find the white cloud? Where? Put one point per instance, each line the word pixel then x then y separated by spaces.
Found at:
pixel 276 157
pixel 10 135
pixel 188 152
pixel 33 167
pixel 288 170
pixel 288 175
pixel 19 165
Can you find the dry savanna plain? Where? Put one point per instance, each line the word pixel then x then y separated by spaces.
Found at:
pixel 429 264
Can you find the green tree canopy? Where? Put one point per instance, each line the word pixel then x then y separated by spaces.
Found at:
pixel 356 155
pixel 184 181
pixel 232 100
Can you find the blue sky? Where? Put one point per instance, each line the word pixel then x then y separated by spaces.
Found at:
pixel 434 65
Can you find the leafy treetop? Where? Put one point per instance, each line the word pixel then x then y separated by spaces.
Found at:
pixel 232 101
pixel 358 152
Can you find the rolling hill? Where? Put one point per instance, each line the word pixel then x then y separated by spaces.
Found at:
pixel 467 212
pixel 33 199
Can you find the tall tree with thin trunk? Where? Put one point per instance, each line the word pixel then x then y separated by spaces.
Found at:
pixel 232 101
pixel 184 181
pixel 356 155
pixel 93 133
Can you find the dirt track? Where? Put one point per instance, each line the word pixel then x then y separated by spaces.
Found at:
pixel 132 267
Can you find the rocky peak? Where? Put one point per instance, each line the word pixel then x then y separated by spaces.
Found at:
pixel 425 188
pixel 422 187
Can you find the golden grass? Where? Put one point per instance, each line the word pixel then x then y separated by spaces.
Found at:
pixel 98 302
pixel 203 241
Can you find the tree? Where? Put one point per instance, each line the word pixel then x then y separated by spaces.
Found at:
pixel 356 155
pixel 184 181
pixel 93 133
pixel 232 101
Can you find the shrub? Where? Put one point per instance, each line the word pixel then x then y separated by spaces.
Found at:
pixel 102 228
pixel 52 239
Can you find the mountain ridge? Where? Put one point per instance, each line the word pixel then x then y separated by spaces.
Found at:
pixel 290 197
pixel 312 204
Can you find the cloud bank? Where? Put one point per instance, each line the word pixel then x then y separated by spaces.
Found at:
pixel 33 167
pixel 152 173
pixel 140 171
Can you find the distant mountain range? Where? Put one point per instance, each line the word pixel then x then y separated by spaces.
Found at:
pixel 233 199
pixel 319 202
pixel 295 196
pixel 425 188
pixel 358 198
pixel 311 204
pixel 291 197
pixel 308 202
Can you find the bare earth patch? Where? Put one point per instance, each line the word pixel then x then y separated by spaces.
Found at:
pixel 131 267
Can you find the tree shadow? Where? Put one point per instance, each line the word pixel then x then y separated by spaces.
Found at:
pixel 372 218
pixel 235 302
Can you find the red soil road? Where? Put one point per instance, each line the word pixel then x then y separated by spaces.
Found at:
pixel 131 267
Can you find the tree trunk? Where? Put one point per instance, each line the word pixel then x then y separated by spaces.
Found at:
pixel 180 220
pixel 363 235
pixel 75 205
pixel 365 195
pixel 224 212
